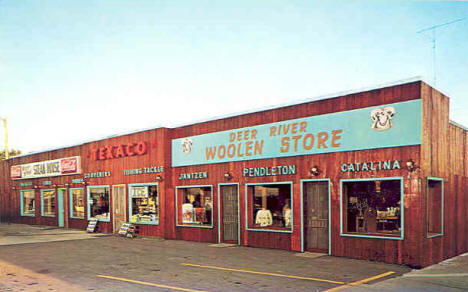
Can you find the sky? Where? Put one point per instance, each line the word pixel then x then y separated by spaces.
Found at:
pixel 75 71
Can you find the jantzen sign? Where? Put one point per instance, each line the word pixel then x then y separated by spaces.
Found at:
pixel 393 125
pixel 48 168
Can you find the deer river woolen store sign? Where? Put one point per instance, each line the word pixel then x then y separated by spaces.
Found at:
pixel 390 125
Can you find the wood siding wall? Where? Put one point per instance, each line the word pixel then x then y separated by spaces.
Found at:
pixel 444 155
pixel 158 154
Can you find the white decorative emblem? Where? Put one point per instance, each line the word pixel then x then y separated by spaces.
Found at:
pixel 382 118
pixel 186 146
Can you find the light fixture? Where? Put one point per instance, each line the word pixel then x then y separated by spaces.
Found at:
pixel 227 175
pixel 84 183
pixel 314 170
pixel 410 165
pixel 36 187
pixel 159 178
pixel 66 184
pixel 377 186
pixel 13 188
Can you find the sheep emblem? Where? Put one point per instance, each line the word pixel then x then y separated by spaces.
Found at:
pixel 382 118
pixel 186 146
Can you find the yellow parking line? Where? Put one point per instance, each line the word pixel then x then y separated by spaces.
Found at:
pixel 360 282
pixel 263 273
pixel 150 284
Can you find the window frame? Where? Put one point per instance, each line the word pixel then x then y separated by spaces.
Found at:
pixel 402 210
pixel 88 193
pixel 441 206
pixel 130 202
pixel 42 203
pixel 22 203
pixel 177 205
pixel 247 200
pixel 70 196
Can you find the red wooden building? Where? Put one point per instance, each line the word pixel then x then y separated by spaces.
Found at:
pixel 378 175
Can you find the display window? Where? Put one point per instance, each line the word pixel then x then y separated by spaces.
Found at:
pixel 144 203
pixel 194 206
pixel 98 200
pixel 372 208
pixel 77 203
pixel 48 203
pixel 435 206
pixel 269 206
pixel 28 203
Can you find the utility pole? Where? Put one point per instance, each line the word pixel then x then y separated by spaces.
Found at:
pixel 6 136
pixel 433 37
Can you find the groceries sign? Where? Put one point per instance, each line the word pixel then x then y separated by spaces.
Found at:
pixel 57 167
pixel 390 125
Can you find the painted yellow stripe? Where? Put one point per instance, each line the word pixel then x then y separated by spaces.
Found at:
pixel 150 284
pixel 360 282
pixel 263 273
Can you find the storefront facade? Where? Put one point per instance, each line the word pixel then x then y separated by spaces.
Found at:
pixel 378 175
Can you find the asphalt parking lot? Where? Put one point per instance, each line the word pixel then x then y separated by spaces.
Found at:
pixel 75 261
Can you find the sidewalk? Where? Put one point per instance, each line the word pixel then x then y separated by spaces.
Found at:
pixel 11 234
pixel 449 275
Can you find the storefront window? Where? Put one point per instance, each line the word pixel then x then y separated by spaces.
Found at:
pixel 372 207
pixel 98 199
pixel 269 206
pixel 144 203
pixel 77 203
pixel 48 203
pixel 28 203
pixel 435 203
pixel 194 206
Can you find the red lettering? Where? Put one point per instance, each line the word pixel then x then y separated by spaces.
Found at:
pixel 296 138
pixel 120 152
pixel 308 145
pixel 95 153
pixel 141 148
pixel 322 137
pixel 284 144
pixel 335 137
pixel 130 150
pixel 102 153
pixel 109 152
pixel 210 153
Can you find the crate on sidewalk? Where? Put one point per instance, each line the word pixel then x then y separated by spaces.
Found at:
pixel 128 230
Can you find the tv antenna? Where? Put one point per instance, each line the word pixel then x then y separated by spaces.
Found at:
pixel 433 29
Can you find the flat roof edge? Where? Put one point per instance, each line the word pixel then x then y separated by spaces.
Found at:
pixel 257 110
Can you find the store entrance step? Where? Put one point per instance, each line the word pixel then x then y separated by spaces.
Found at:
pixel 223 245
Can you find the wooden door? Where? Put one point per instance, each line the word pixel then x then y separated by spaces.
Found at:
pixel 119 206
pixel 316 214
pixel 230 216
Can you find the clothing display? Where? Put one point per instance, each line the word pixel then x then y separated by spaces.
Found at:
pixel 264 218
pixel 200 215
pixel 187 213
pixel 287 217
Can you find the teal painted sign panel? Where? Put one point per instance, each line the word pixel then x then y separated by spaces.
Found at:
pixel 390 125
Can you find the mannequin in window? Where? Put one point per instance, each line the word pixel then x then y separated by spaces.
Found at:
pixel 264 218
pixel 287 215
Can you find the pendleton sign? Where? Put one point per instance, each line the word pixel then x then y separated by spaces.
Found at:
pixel 57 167
pixel 390 125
